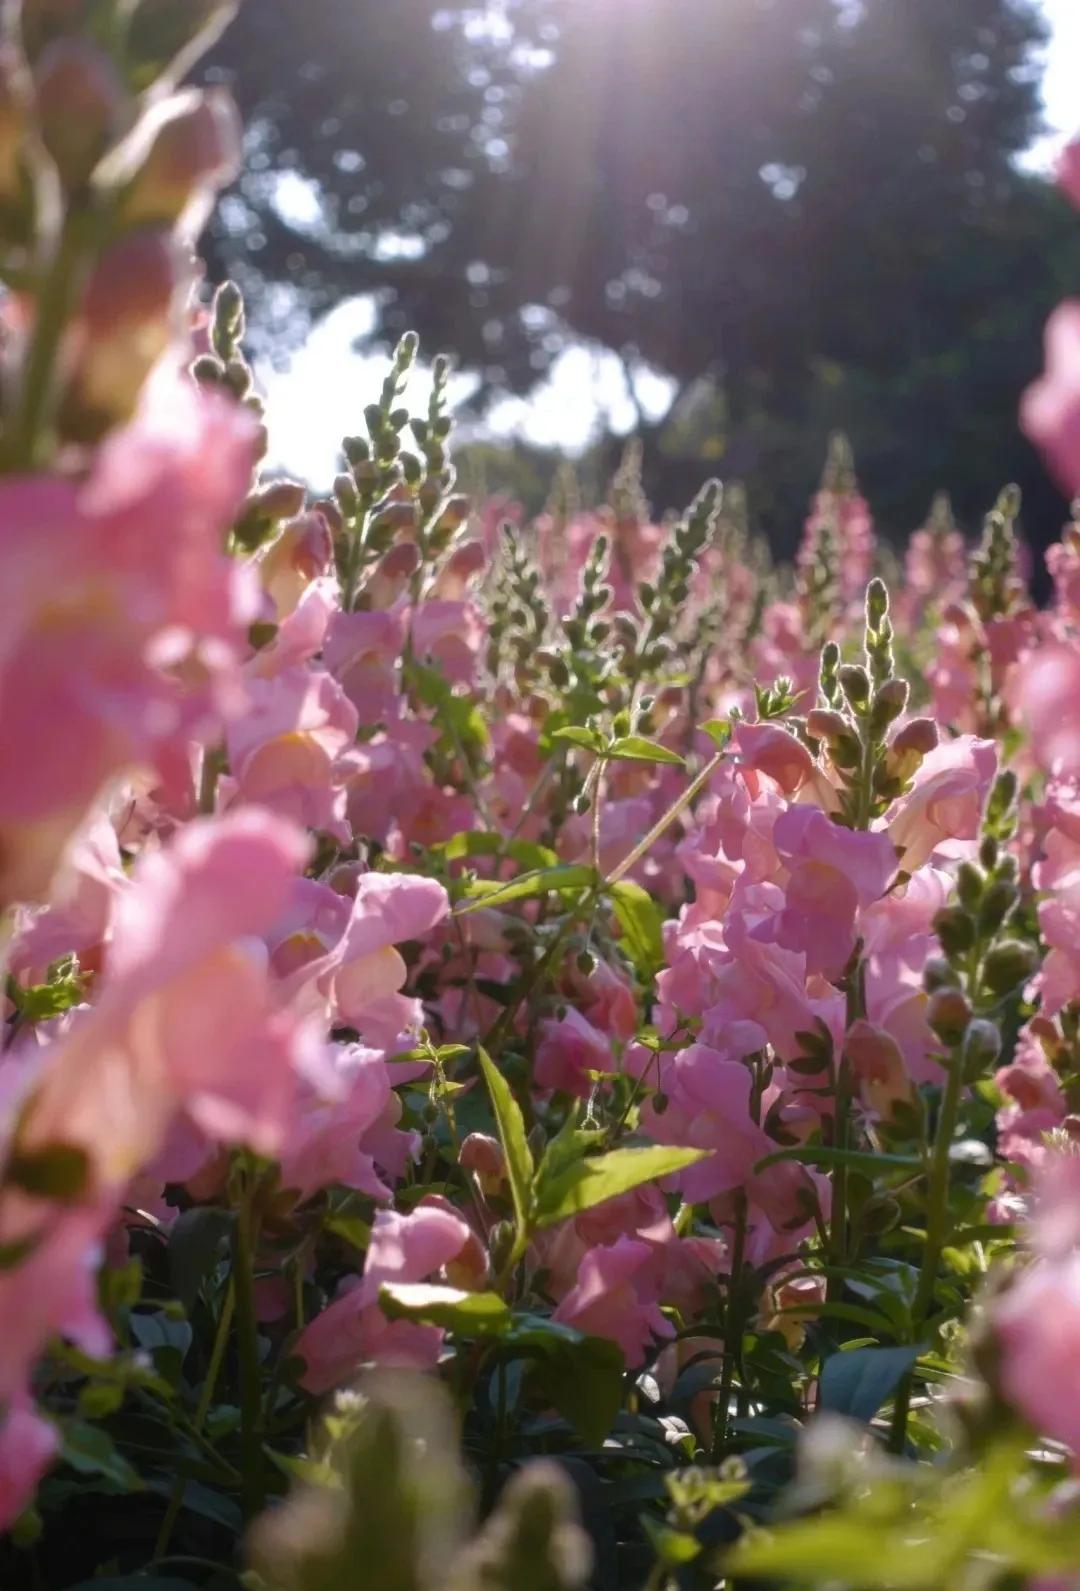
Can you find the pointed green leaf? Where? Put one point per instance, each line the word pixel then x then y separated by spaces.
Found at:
pixel 595 1178
pixel 579 736
pixel 641 921
pixel 527 886
pixel 858 1382
pixel 635 748
pixel 511 1125
pixel 469 1314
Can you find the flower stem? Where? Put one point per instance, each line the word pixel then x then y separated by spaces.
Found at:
pixel 733 1328
pixel 244 1239
pixel 937 1221
pixel 213 1370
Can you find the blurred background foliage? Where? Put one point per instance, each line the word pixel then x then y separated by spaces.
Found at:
pixel 808 214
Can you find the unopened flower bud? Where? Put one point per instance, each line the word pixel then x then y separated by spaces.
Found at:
pixel 855 683
pixel 889 703
pixel 955 930
pixel 123 325
pixel 918 734
pixel 301 553
pixel 1008 965
pixel 483 1155
pixel 998 902
pixel 877 603
pixel 948 1015
pixel 80 104
pixel 938 974
pixel 970 885
pixel 982 1046
pixel 184 150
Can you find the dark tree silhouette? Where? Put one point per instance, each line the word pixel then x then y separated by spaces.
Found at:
pixel 811 209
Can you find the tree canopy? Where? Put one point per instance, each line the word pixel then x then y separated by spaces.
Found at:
pixel 807 213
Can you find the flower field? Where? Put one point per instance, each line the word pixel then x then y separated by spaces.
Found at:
pixel 536 1054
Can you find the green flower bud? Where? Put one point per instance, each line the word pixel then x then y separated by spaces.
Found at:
pixel 948 1015
pixel 955 930
pixel 1008 965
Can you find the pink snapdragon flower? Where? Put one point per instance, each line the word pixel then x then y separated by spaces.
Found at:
pixel 362 652
pixel 187 1021
pixel 1037 1321
pixel 1045 692
pixel 353 1330
pixel 289 750
pixel 833 872
pixel 1050 411
pixel 569 1048
pixel 943 810
pixel 707 1093
pixel 113 635
pixel 616 1296
pixel 28 1444
pixel 1067 172
pixel 448 635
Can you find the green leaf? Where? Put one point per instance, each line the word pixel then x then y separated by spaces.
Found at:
pixel 91 1450
pixel 519 1160
pixel 195 1245
pixel 635 748
pixel 718 731
pixel 590 739
pixel 596 1178
pixel 641 921
pixel 857 1383
pixel 584 1380
pixel 527 886
pixel 854 1159
pixel 483 842
pixel 833 1550
pixel 469 1314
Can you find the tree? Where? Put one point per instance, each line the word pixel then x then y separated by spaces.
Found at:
pixel 813 207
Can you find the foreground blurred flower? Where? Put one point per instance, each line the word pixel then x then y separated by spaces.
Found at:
pixel 1050 412
pixel 121 617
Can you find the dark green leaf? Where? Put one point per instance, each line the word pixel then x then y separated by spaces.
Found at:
pixel 857 1383
pixel 195 1245
pixel 854 1159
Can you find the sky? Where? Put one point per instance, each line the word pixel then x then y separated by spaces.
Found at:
pixel 308 403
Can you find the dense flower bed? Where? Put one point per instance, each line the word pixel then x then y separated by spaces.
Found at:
pixel 556 1019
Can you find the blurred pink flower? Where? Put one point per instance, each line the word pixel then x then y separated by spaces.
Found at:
pixel 112 635
pixel 1050 410
pixel 353 1330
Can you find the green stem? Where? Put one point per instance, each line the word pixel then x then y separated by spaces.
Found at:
pixel 733 1329
pixel 26 429
pixel 217 1354
pixel 677 808
pixel 937 1223
pixel 244 1238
